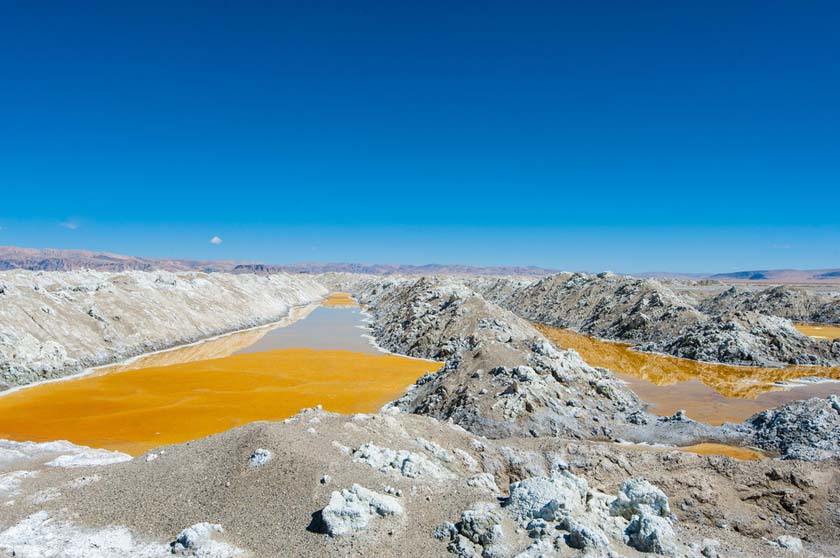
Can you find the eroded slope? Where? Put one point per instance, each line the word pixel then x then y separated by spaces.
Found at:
pixel 56 323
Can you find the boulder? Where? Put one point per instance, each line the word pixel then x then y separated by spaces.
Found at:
pixel 484 481
pixel 584 537
pixel 637 497
pixel 789 543
pixel 199 540
pixel 551 498
pixel 482 524
pixel 651 533
pixel 260 457
pixel 403 462
pixel 351 510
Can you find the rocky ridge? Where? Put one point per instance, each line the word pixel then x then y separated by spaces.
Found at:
pixel 606 305
pixel 797 304
pixel 748 338
pixel 733 327
pixel 503 378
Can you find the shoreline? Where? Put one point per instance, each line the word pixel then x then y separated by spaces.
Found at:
pixel 391 368
pixel 368 319
pixel 92 369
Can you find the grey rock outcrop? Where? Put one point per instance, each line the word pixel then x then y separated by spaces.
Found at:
pixel 201 541
pixel 260 457
pixel 791 544
pixel 750 339
pixel 808 430
pixel 560 512
pixel 651 533
pixel 587 538
pixel 646 506
pixel 793 303
pixel 501 377
pixel 482 525
pixel 552 498
pixel 639 497
pixel 402 462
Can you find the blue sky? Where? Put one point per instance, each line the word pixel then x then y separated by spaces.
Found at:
pixel 628 136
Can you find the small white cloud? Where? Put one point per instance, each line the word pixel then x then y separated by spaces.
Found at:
pixel 72 225
pixel 215 240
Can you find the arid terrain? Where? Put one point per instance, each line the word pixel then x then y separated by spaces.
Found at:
pixel 419 280
pixel 514 446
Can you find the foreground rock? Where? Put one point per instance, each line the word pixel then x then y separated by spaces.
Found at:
pixel 558 498
pixel 55 324
pixel 352 509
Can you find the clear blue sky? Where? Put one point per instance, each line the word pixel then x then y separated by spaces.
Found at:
pixel 690 136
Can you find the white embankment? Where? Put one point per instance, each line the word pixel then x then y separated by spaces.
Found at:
pixel 57 323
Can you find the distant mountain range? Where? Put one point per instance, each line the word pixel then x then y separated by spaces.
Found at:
pixel 12 257
pixel 783 276
pixel 390 269
pixel 770 276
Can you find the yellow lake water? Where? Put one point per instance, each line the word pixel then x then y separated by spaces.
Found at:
pixel 187 393
pixel 825 332
pixel 339 300
pixel 706 448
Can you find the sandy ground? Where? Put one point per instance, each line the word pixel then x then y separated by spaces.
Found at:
pixel 271 510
